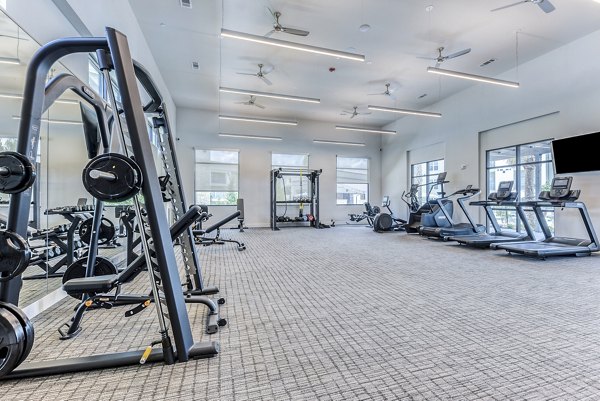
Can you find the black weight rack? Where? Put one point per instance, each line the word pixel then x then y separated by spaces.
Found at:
pixel 281 200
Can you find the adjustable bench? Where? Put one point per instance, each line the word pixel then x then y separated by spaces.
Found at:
pixel 199 235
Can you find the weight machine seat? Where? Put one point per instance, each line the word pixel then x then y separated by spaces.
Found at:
pixel 91 284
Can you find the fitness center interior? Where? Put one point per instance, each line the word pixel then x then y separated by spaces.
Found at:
pixel 284 200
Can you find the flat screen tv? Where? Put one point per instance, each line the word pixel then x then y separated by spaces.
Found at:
pixel 576 154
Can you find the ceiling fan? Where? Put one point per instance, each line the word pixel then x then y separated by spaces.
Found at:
pixel 252 102
pixel 261 73
pixel 440 59
pixel 277 27
pixel 387 92
pixel 545 5
pixel 353 113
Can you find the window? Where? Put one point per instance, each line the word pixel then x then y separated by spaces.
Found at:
pixel 216 177
pixel 352 180
pixel 290 186
pixel 426 173
pixel 530 167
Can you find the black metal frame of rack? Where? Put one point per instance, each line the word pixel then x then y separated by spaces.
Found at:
pixel 313 200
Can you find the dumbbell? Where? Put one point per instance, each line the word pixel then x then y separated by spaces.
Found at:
pixel 48 254
pixel 57 250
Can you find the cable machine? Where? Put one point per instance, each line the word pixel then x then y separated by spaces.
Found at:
pixel 307 192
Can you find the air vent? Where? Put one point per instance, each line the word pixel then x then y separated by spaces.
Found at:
pixel 422 96
pixel 186 3
pixel 490 61
pixel 195 65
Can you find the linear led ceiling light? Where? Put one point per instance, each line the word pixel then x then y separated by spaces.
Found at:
pixel 226 33
pixel 258 120
pixel 15 96
pixel 338 143
pixel 45 120
pixel 10 60
pixel 271 95
pixel 266 138
pixel 472 77
pixel 361 129
pixel 404 111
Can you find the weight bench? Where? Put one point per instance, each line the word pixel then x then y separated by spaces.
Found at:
pixel 95 289
pixel 200 239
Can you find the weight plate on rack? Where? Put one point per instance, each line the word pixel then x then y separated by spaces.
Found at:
pixel 124 179
pixel 107 231
pixel 20 175
pixel 27 327
pixel 14 254
pixel 13 341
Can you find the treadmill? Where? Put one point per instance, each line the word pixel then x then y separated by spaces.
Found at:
pixel 560 196
pixel 502 197
pixel 450 228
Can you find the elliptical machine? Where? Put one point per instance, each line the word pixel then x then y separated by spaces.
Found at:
pixel 386 221
pixel 429 214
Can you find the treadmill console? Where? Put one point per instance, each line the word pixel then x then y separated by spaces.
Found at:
pixel 386 201
pixel 560 191
pixel 503 193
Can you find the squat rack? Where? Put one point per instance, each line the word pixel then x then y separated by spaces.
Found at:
pixel 158 231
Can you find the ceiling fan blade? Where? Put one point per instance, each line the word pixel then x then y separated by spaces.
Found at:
pixel 510 5
pixel 375 94
pixel 266 80
pixel 268 34
pixel 352 116
pixel 292 31
pixel 365 114
pixel 546 6
pixel 427 58
pixel 260 106
pixel 245 73
pixel 240 102
pixel 458 54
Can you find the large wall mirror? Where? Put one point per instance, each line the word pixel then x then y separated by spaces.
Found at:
pixel 59 198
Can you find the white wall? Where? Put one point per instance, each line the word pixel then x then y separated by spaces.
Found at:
pixel 563 80
pixel 199 129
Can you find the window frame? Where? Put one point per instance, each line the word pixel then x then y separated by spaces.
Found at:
pixel 427 176
pixel 217 163
pixel 517 174
pixel 368 182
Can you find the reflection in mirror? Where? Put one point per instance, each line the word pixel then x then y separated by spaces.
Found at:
pixel 59 179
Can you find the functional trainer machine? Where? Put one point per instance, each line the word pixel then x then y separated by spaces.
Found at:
pixel 310 197
pixel 559 196
pixel 503 197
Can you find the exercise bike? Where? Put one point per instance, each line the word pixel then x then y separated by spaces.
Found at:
pixel 386 221
pixel 369 214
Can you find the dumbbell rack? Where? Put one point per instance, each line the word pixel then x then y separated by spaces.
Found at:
pixel 194 283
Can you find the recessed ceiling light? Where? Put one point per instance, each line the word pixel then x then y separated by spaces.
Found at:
pixel 195 65
pixel 365 28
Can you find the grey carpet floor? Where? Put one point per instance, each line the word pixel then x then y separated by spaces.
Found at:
pixel 348 314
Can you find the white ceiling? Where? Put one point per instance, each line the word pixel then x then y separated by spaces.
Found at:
pixel 400 31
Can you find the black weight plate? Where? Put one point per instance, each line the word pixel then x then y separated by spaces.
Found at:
pixel 77 270
pixel 12 342
pixel 107 231
pixel 126 185
pixel 27 327
pixel 14 254
pixel 23 174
